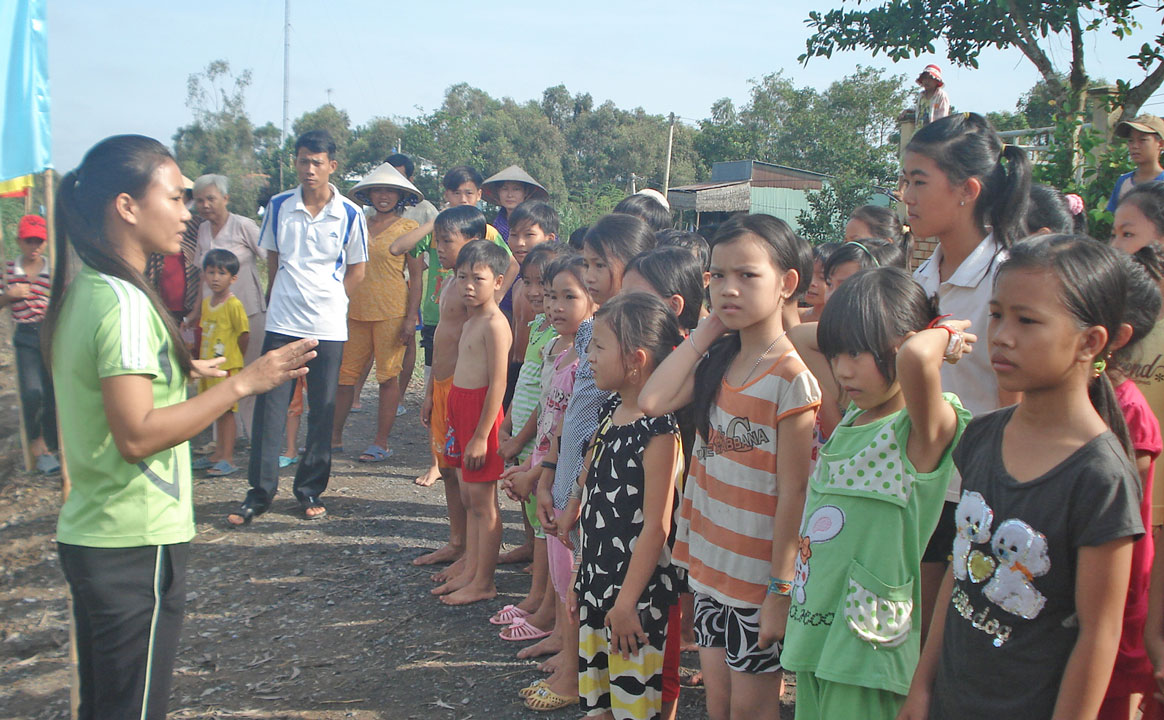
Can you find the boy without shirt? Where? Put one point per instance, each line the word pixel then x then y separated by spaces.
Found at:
pixel 474 414
pixel 462 187
pixel 453 229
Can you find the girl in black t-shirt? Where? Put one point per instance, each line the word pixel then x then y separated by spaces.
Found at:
pixel 1028 619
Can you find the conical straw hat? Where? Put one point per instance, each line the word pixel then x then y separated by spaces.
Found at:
pixel 384 176
pixel 513 174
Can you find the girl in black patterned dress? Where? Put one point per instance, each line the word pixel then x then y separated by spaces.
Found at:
pixel 625 583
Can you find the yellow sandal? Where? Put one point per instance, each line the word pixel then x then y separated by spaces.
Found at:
pixel 545 700
pixel 532 688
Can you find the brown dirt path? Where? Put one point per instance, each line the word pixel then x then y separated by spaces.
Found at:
pixel 285 619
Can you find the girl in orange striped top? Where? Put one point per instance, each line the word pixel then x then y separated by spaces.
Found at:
pixel 754 401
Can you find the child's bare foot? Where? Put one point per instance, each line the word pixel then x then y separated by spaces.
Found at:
pixel 550 645
pixel 531 604
pixel 455 582
pixel 430 476
pixel 564 681
pixel 448 553
pixel 520 554
pixel 450 572
pixel 552 664
pixel 469 595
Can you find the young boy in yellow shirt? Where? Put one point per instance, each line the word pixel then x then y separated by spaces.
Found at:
pixel 225 332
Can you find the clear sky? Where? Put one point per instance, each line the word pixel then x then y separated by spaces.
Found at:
pixel 121 65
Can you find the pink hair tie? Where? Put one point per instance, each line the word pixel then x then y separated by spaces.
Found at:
pixel 1074 203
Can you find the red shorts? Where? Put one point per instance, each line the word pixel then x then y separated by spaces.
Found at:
pixel 464 413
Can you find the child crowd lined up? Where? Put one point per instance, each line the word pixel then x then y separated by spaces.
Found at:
pixel 927 495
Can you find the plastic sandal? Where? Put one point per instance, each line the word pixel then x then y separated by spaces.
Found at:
pixel 207 449
pixel 532 688
pixel 522 631
pixel 313 502
pixel 247 513
pixel 507 614
pixel 285 461
pixel 401 410
pixel 546 700
pixel 375 454
pixel 222 468
pixel 202 463
pixel 47 464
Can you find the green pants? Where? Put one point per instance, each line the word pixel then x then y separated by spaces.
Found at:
pixel 818 699
pixel 530 507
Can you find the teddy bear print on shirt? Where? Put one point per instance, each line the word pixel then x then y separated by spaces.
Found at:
pixel 1022 556
pixel 972 519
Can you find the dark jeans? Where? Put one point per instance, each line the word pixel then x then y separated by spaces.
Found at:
pixel 36 385
pixel 128 605
pixel 426 335
pixel 270 426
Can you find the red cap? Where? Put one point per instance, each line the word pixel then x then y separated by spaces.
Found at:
pixel 32 226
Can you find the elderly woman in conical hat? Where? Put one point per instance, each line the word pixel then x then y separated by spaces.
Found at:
pixel 383 308
pixel 508 189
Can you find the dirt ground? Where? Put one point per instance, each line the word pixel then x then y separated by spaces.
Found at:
pixel 286 619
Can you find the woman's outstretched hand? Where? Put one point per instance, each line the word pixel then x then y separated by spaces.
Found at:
pixel 207 368
pixel 277 367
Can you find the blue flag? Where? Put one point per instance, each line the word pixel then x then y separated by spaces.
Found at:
pixel 25 135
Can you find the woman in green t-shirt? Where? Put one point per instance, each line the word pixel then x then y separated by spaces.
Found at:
pixel 121 367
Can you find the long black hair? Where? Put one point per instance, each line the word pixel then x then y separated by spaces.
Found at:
pixel 965 146
pixel 1094 283
pixel 673 271
pixel 641 321
pixel 647 208
pixel 871 312
pixel 787 250
pixel 116 165
pixel 867 253
pixel 618 237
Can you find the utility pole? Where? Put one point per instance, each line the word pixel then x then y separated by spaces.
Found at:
pixel 667 172
pixel 286 88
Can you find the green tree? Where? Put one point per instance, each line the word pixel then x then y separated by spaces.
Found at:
pixel 372 143
pixel 221 139
pixel 336 122
pixel 904 29
pixel 830 207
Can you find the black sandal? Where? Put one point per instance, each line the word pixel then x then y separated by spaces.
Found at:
pixel 247 513
pixel 313 502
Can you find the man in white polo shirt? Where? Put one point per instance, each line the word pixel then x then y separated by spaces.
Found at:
pixel 317 246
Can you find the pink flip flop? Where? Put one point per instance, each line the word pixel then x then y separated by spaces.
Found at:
pixel 506 615
pixel 522 631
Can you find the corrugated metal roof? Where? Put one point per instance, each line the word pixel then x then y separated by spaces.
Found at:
pixel 712 197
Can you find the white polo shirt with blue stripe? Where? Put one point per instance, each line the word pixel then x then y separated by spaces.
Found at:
pixel 308 297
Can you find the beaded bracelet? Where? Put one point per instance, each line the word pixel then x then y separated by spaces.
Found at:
pixel 776 586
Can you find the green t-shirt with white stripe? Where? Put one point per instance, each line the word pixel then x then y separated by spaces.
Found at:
pixel 108 327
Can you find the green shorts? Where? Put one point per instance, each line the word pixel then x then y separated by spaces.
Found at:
pixel 818 699
pixel 531 514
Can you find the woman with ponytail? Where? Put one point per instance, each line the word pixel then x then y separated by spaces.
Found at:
pixel 121 370
pixel 1028 619
pixel 968 190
